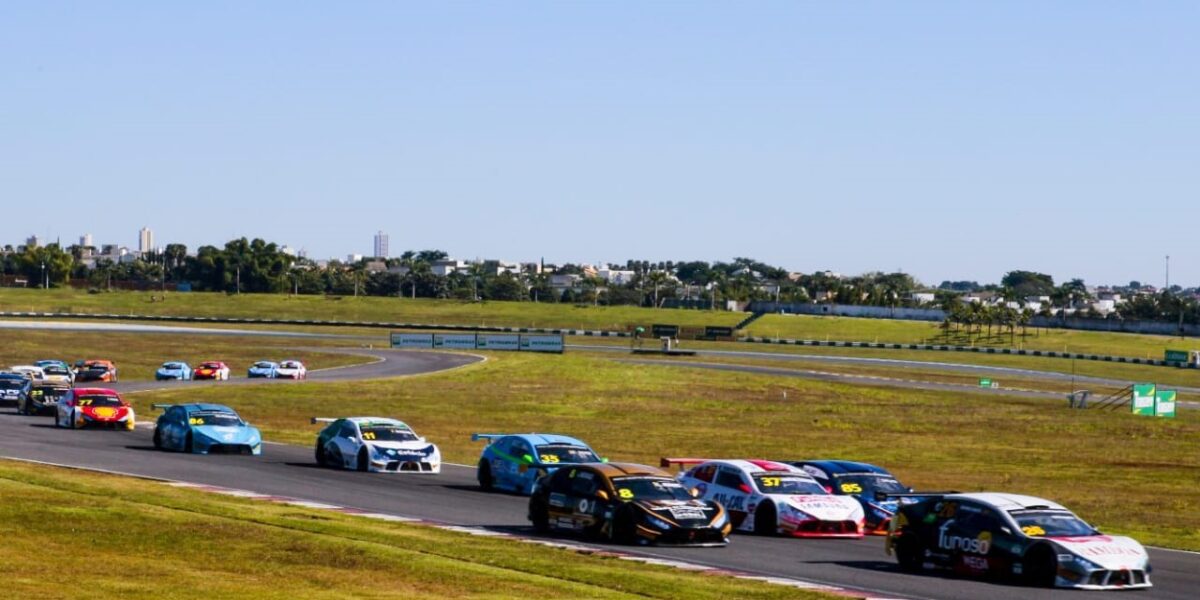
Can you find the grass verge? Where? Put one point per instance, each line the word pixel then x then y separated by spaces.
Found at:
pixel 128 538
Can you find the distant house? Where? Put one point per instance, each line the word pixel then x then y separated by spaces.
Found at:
pixel 376 266
pixel 442 268
pixel 985 298
pixel 565 281
pixel 923 297
pixel 615 276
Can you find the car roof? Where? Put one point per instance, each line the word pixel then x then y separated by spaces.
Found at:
pixel 754 465
pixel 28 367
pixel 97 361
pixel 1006 502
pixel 610 470
pixel 95 391
pixel 13 376
pixel 206 407
pixel 360 421
pixel 550 438
pixel 174 362
pixel 844 466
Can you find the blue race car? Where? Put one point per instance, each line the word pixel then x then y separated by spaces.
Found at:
pixel 205 429
pixel 14 388
pixel 863 481
pixel 514 462
pixel 263 369
pixel 173 371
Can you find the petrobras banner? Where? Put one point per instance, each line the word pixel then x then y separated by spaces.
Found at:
pixel 542 343
pixel 1143 399
pixel 412 340
pixel 497 342
pixel 455 341
pixel 1164 403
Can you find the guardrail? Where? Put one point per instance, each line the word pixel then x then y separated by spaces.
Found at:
pixel 974 349
pixel 310 323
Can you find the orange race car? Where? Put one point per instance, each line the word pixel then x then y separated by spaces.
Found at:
pixel 95 370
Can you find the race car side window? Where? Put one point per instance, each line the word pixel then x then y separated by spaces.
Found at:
pixel 520 448
pixel 704 472
pixel 348 430
pixel 729 478
pixel 560 482
pixel 175 414
pixel 584 487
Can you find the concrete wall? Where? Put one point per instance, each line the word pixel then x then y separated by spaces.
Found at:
pixel 849 310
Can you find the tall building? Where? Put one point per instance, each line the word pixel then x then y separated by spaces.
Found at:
pixel 85 240
pixel 381 245
pixel 145 240
pixel 33 241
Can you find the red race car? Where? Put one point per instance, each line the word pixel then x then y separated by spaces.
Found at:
pixel 94 407
pixel 212 369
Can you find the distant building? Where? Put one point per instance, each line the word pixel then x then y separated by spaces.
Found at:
pixel 381 245
pixel 33 241
pixel 145 240
pixel 376 266
pixel 288 250
pixel 923 297
pixel 353 258
pixel 445 267
pixel 615 276
pixel 85 240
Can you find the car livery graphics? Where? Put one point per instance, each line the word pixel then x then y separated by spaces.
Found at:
pixel 514 462
pixel 94 407
pixel 203 428
pixel 770 498
pixel 212 369
pixel 14 389
pixel 375 444
pixel 1029 539
pixel 864 482
pixel 42 399
pixel 626 503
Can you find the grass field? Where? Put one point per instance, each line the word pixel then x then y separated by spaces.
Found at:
pixel 1127 474
pixel 281 306
pixel 74 534
pixel 137 356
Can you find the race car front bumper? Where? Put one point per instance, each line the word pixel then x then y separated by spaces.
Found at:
pixel 1102 579
pixel 405 466
pixel 822 529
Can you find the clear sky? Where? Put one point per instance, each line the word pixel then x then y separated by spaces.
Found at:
pixel 953 140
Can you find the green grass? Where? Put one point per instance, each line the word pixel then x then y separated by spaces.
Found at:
pixel 137 356
pixel 1127 474
pixel 74 534
pixel 282 306
pixel 909 332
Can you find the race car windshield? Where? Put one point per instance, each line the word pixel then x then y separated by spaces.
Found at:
pixel 566 454
pixel 649 488
pixel 868 484
pixel 215 419
pixel 172 366
pixel 264 365
pixel 53 392
pixel 98 401
pixel 55 370
pixel 11 384
pixel 1051 523
pixel 775 483
pixel 388 433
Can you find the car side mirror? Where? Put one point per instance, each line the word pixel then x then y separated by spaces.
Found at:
pixel 1004 529
pixel 695 492
pixel 602 495
pixel 352 439
pixel 527 458
pixel 880 496
pixel 421 439
pixel 603 460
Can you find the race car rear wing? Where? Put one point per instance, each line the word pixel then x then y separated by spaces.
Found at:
pixel 490 437
pixel 667 463
pixel 161 406
pixel 881 496
pixel 316 420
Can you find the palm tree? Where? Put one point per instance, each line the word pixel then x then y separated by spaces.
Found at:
pixel 656 278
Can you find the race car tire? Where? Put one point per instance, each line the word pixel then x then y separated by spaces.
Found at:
pixel 624 527
pixel 1040 566
pixel 539 516
pixel 908 553
pixel 319 453
pixel 188 446
pixel 157 439
pixel 484 475
pixel 766 519
pixel 23 408
pixel 364 462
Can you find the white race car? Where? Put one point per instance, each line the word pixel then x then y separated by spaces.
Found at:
pixel 36 374
pixel 375 444
pixel 771 498
pixel 291 369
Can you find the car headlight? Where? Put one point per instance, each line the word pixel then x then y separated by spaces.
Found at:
pixel 1081 562
pixel 657 522
pixel 795 513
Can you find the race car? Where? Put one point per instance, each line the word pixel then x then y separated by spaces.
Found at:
pixel 862 481
pixel 769 498
pixel 43 398
pixel 56 370
pixel 1031 540
pixel 94 407
pixel 262 369
pixel 628 504
pixel 291 369
pixel 212 369
pixel 34 374
pixel 204 429
pixel 95 370
pixel 513 462
pixel 173 371
pixel 375 444
pixel 14 388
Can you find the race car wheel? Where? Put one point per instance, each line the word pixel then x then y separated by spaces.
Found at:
pixel 624 528
pixel 539 516
pixel 766 522
pixel 187 443
pixel 23 408
pixel 320 454
pixel 364 461
pixel 485 476
pixel 157 439
pixel 1041 567
pixel 908 553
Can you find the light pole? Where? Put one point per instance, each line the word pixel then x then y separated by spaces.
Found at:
pixel 1168 280
pixel 45 280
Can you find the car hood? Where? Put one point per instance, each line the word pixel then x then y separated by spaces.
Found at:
pixel 826 507
pixel 238 434
pixel 106 413
pixel 684 512
pixel 419 449
pixel 1108 551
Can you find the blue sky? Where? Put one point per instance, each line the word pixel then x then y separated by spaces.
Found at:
pixel 953 140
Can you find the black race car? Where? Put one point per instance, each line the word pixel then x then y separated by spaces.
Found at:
pixel 628 504
pixel 14 389
pixel 42 399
